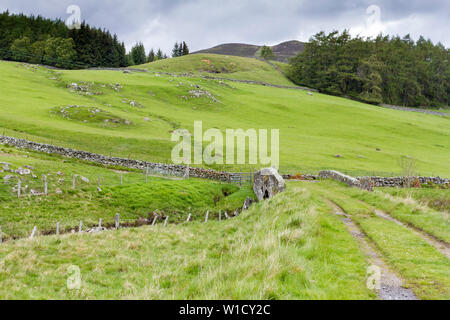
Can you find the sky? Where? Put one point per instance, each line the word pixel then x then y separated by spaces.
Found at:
pixel 206 23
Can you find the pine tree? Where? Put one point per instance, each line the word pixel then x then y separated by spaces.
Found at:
pixel 185 49
pixel 138 54
pixel 176 50
pixel 159 55
pixel 151 56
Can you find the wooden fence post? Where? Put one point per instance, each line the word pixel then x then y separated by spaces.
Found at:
pixel 99 184
pixel 33 233
pixel 117 221
pixel 45 185
pixel 240 177
pixel 154 220
pixel 220 215
pixel 165 222
pixel 226 215
pixel 19 187
pixel 187 173
pixel 100 223
pixel 57 228
pixel 207 216
pixel 1 239
pixel 189 218
pixel 146 174
pixel 121 178
pixel 73 182
pixel 80 229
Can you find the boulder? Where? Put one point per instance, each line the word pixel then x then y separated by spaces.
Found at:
pixel 84 179
pixel 267 183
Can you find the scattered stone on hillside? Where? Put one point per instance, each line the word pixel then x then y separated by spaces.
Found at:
pixel 203 93
pixel 378 149
pixel 59 173
pixel 337 156
pixel 36 193
pixel 116 87
pixel 310 93
pixel 84 179
pixel 28 66
pixel 58 191
pixel 84 88
pixel 93 114
pixel 146 119
pixel 23 171
pixel 267 183
pixel 95 229
pixel 29 167
pixel 126 71
pixel 132 103
pixel 7 178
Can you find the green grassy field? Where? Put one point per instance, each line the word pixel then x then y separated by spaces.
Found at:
pixel 313 129
pixel 288 247
pixel 133 199
pixel 438 199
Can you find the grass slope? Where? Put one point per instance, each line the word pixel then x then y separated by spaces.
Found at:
pixel 215 65
pixel 313 129
pixel 285 248
pixel 422 266
pixel 133 200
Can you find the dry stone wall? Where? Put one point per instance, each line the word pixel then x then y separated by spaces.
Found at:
pixel 399 181
pixel 176 170
pixel 335 175
pixel 180 170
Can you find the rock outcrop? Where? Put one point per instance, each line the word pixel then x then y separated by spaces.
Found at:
pixel 267 183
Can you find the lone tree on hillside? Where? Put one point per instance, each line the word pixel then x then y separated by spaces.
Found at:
pixel 267 53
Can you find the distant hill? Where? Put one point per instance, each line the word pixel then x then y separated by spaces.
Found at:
pixel 282 51
pixel 223 66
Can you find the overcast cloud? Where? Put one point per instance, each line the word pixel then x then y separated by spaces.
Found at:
pixel 205 23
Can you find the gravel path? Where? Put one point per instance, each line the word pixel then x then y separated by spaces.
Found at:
pixel 441 246
pixel 391 287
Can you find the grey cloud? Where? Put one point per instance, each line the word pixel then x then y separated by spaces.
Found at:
pixel 204 23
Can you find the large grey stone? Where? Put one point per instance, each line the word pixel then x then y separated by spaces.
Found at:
pixel 267 183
